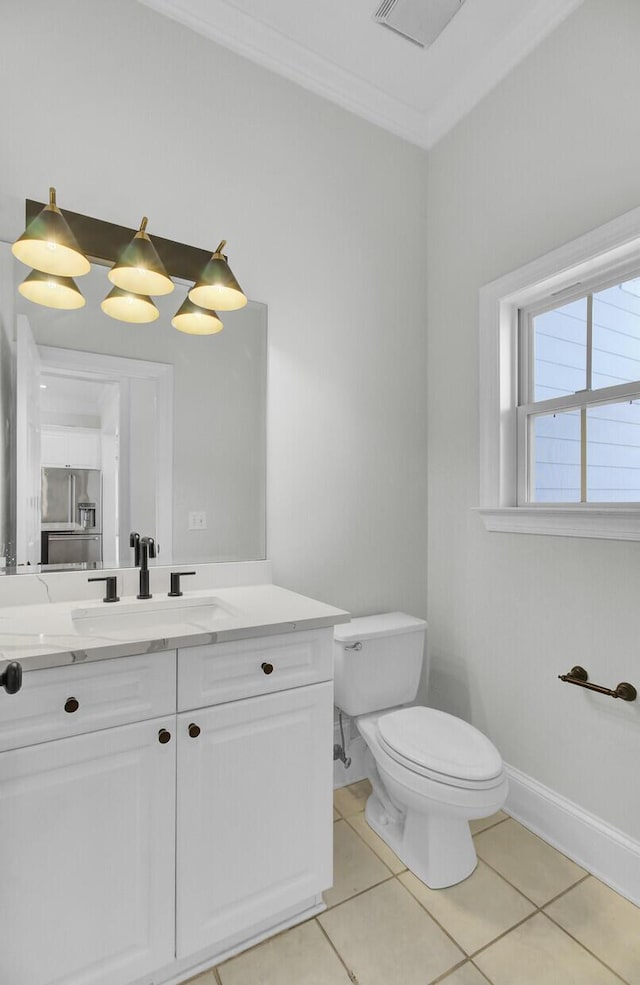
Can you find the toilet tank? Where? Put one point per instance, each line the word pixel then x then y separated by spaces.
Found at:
pixel 378 660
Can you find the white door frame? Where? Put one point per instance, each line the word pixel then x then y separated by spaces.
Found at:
pixel 74 362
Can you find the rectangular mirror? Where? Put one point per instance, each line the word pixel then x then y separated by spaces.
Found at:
pixel 117 427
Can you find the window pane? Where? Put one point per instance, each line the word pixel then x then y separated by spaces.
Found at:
pixel 613 453
pixel 557 458
pixel 616 335
pixel 560 347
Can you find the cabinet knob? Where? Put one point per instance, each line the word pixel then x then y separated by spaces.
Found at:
pixel 164 736
pixel 71 705
pixel 194 730
pixel 268 668
pixel 11 680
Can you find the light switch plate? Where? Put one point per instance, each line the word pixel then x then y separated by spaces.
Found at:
pixel 197 520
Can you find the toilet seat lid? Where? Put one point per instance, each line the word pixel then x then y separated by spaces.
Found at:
pixel 434 742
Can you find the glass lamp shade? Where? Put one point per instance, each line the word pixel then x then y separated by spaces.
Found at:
pixel 51 291
pixel 193 320
pixel 216 287
pixel 129 307
pixel 139 269
pixel 47 244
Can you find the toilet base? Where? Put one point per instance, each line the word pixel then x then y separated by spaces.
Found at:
pixel 438 849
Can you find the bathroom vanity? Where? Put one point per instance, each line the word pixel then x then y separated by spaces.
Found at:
pixel 165 796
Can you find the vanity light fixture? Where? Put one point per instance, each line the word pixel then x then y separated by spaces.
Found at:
pixel 129 307
pixel 216 287
pixel 51 291
pixel 194 320
pixel 48 245
pixel 139 269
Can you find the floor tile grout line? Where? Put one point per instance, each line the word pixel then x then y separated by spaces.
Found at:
pixel 504 878
pixel 451 971
pixel 480 971
pixel 538 906
pixel 585 948
pixel 435 920
pixel 350 973
pixel 489 827
pixel 334 906
pixel 217 976
pixel 535 835
pixel 505 933
pixel 370 847
pixel 565 891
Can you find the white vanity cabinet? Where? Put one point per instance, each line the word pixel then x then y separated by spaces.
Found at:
pixel 87 829
pixel 254 819
pixel 255 779
pixel 141 851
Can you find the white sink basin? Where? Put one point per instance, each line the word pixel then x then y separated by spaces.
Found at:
pixel 152 619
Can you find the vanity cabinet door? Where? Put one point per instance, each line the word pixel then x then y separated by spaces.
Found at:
pixel 254 815
pixel 87 875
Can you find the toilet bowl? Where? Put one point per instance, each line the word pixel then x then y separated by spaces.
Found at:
pixel 430 772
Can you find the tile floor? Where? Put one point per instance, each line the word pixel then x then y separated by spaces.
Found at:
pixel 527 916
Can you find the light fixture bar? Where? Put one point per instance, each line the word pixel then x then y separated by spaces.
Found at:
pixel 104 241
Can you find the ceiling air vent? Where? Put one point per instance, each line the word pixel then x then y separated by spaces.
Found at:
pixel 420 21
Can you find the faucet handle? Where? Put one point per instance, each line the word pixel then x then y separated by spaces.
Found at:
pixel 134 541
pixel 150 544
pixel 112 588
pixel 175 582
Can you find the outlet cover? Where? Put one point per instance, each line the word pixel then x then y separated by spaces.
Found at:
pixel 198 520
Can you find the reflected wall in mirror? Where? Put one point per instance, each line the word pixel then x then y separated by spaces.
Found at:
pixel 122 427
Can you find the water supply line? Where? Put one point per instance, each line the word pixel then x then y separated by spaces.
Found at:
pixel 340 751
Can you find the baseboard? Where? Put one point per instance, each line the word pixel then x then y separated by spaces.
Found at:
pixel 609 854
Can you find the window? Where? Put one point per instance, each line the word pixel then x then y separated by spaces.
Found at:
pixel 560 390
pixel 579 398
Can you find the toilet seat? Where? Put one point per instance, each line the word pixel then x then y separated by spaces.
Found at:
pixel 441 747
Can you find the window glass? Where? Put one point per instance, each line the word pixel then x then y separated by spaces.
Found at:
pixel 613 453
pixel 556 458
pixel 616 335
pixel 560 350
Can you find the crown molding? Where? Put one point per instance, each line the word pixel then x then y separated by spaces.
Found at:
pixel 232 28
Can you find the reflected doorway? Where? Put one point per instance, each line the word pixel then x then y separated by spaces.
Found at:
pixel 94 454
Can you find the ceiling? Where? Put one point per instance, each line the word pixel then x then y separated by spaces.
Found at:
pixel 336 49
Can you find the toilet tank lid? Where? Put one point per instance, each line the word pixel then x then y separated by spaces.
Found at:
pixel 372 627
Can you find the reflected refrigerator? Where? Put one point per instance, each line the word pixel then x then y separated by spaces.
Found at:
pixel 71 522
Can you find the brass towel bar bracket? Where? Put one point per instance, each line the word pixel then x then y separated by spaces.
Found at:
pixel 579 676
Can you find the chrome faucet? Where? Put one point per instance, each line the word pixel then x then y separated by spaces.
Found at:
pixel 147 550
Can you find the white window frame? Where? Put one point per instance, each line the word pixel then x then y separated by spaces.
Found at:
pixel 610 252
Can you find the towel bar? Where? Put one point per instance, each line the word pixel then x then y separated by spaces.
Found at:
pixel 579 676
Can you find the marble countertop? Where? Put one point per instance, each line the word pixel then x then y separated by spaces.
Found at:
pixel 54 634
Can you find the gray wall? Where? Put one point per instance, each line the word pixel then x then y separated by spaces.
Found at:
pixel 127 113
pixel 553 152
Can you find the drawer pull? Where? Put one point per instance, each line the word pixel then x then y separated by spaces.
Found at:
pixel 71 705
pixel 11 680
pixel 268 668
pixel 194 730
pixel 164 736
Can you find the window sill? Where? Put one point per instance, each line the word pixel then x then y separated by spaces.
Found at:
pixel 603 522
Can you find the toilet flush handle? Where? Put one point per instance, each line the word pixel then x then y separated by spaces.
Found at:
pixel 354 646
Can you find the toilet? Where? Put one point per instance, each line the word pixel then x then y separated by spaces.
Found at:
pixel 431 772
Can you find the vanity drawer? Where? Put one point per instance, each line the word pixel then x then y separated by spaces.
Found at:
pixel 63 701
pixel 219 672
